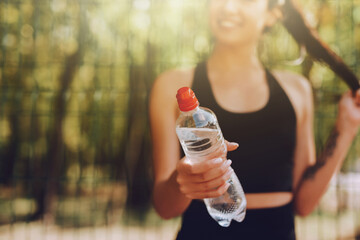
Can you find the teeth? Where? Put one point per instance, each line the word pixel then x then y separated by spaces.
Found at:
pixel 228 24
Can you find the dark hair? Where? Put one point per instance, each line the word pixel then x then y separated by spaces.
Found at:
pixel 306 36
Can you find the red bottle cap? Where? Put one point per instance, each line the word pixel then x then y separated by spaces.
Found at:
pixel 186 99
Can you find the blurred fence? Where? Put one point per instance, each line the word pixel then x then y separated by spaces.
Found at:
pixel 75 150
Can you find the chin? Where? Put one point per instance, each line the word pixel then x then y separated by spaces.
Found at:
pixel 232 41
pixel 234 37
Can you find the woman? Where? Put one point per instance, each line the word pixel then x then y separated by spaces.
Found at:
pixel 267 118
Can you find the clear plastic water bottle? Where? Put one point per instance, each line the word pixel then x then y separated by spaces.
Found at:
pixel 201 139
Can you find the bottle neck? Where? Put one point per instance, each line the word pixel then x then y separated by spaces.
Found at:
pixel 191 111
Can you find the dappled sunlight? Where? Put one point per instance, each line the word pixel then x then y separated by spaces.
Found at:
pixel 75 80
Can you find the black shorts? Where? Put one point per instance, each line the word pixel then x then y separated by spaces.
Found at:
pixel 268 223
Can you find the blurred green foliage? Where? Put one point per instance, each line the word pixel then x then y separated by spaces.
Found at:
pixel 74 83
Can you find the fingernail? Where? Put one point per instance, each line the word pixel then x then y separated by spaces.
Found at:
pixel 218 160
pixel 234 144
pixel 228 162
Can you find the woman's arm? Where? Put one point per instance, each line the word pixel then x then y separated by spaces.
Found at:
pixel 311 177
pixel 176 181
pixel 167 198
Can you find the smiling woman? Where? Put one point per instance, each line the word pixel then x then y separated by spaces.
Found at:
pixel 268 113
pixel 237 26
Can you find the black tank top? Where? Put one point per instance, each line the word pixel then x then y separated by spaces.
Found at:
pixel 264 160
pixel 263 163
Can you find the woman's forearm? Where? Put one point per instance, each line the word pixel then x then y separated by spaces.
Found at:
pixel 317 177
pixel 169 202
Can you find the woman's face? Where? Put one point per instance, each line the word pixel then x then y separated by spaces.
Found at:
pixel 235 22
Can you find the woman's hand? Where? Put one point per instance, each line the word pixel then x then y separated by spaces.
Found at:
pixel 206 179
pixel 348 120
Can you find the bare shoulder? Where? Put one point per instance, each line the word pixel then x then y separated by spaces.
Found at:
pixel 175 78
pixel 298 89
pixel 165 86
pixel 294 82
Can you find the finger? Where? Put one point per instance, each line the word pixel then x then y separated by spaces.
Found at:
pixel 347 97
pixel 231 146
pixel 212 184
pixel 190 188
pixel 211 194
pixel 207 176
pixel 357 92
pixel 357 97
pixel 200 167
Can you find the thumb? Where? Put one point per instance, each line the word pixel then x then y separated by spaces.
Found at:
pixel 231 146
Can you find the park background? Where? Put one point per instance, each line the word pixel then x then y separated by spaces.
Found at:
pixel 75 77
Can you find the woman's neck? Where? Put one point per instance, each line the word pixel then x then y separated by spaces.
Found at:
pixel 233 56
pixel 236 61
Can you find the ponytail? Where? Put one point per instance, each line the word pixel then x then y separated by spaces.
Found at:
pixel 306 36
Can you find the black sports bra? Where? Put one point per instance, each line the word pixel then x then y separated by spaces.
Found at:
pixel 264 160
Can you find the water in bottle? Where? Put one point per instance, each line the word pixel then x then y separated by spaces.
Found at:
pixel 201 139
